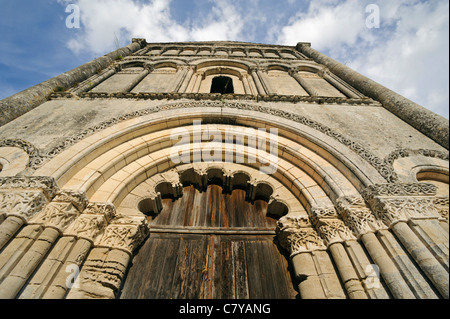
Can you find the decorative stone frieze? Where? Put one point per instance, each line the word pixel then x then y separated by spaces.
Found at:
pixel 297 235
pixel 442 206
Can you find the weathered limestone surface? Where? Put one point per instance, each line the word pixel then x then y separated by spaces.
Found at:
pixel 358 199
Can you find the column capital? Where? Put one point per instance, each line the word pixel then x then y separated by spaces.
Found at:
pixel 297 235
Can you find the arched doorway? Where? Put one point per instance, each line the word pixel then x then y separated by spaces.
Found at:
pixel 210 245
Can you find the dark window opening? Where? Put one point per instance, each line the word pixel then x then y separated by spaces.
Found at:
pixel 222 85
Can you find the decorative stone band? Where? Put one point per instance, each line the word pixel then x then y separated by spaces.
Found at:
pixel 124 233
pixel 62 211
pixel 297 235
pixel 399 189
pixel 358 216
pixel 92 222
pixel 330 227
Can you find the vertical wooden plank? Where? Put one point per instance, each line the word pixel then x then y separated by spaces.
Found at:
pixel 182 271
pixel 164 290
pixel 240 269
pixel 255 279
pixel 225 272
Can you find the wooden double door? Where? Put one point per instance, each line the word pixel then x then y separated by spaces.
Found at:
pixel 209 245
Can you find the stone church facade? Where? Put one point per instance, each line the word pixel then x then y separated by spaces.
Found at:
pixel 221 170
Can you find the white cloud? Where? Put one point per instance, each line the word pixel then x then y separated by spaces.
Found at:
pixel 408 53
pixel 103 20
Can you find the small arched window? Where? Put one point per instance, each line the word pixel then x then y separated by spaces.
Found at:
pixel 222 85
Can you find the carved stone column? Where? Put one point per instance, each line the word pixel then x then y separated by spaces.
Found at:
pixel 138 79
pixel 259 85
pixel 54 218
pixel 20 199
pixel 52 280
pixel 102 273
pixel 186 80
pixel 90 85
pixel 304 84
pixel 327 76
pixel 335 233
pixel 364 224
pixel 312 266
pixel 396 204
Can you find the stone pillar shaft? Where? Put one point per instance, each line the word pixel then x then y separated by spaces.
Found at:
pixel 389 272
pixel 9 228
pixel 136 81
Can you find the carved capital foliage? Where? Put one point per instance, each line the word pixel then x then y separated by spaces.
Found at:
pixel 394 203
pixel 358 216
pixel 394 210
pixel 124 233
pixel 296 235
pixel 92 222
pixel 77 199
pixel 330 227
pixel 442 206
pixel 58 215
pixel 23 204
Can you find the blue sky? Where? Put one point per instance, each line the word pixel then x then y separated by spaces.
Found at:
pixel 408 52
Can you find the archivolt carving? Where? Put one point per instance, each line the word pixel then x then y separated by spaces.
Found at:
pixel 35 158
pixel 385 170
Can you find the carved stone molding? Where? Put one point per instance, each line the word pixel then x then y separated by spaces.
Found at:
pixel 296 235
pixel 35 158
pixel 385 170
pixel 399 189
